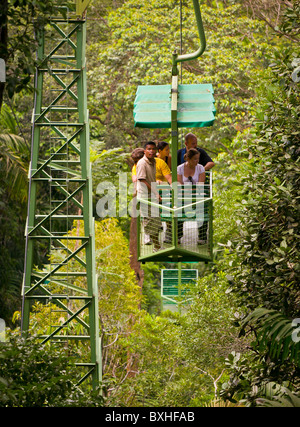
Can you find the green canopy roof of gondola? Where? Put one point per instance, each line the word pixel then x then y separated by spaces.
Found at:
pixel 152 106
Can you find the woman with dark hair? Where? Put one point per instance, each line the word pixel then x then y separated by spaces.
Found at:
pixel 191 170
pixel 163 152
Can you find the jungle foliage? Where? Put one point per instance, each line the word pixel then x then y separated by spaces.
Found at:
pixel 35 376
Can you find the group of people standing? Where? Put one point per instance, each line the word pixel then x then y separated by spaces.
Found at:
pixel 153 164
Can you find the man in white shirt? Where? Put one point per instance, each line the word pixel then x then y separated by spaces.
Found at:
pixel 146 189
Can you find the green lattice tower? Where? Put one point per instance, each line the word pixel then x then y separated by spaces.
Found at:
pixel 60 220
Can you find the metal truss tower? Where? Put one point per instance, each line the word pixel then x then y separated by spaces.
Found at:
pixel 60 222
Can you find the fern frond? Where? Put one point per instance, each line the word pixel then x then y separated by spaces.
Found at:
pixel 275 334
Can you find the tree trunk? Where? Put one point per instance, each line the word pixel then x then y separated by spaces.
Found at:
pixel 134 264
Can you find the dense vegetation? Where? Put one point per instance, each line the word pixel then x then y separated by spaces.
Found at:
pixel 236 341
